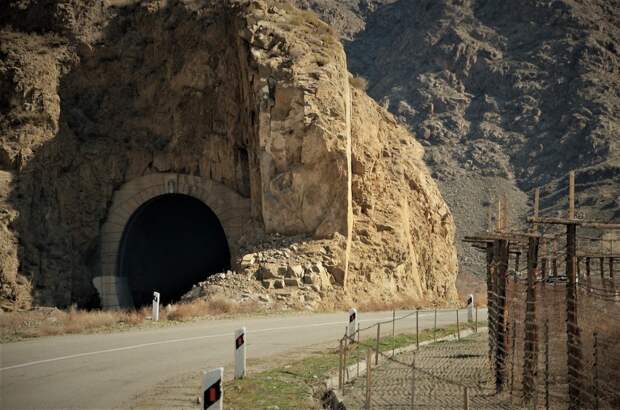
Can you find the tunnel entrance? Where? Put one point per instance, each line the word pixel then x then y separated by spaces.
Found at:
pixel 170 243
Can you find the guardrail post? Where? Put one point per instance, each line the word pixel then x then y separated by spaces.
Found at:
pixel 470 308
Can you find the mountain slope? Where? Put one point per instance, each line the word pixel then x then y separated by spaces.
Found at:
pixel 506 96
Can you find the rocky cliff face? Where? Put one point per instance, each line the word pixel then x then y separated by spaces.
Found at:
pixel 102 104
pixel 506 95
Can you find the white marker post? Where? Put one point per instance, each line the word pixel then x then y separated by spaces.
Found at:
pixel 155 306
pixel 470 308
pixel 352 324
pixel 240 353
pixel 212 392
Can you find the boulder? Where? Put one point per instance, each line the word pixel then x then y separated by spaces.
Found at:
pixel 268 271
pixel 247 261
pixel 291 282
pixel 295 271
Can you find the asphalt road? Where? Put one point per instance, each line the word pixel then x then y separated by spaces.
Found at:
pixel 106 370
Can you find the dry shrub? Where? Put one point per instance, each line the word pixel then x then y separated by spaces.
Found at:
pixel 49 322
pixel 402 302
pixel 215 306
pixel 188 311
pixel 359 82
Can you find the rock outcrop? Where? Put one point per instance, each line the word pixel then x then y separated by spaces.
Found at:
pixel 509 95
pixel 244 105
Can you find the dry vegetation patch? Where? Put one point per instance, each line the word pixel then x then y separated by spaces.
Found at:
pixel 51 321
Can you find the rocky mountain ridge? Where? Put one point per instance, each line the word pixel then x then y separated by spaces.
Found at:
pixel 245 106
pixel 505 96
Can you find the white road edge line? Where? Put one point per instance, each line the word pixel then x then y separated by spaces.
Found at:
pixel 187 339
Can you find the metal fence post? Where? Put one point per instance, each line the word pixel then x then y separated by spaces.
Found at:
pixel 547 364
pixel 465 398
pixel 476 322
pixel 357 347
pixel 340 366
pixel 413 383
pixel 345 368
pixel 393 332
pixel 458 327
pixel 417 327
pixel 368 378
pixel 377 349
pixel 435 327
pixel 595 371
pixel 512 356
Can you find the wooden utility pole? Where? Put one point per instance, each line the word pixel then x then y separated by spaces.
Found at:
pixel 543 259
pixel 536 208
pixel 531 328
pixel 504 212
pixel 555 258
pixel 573 340
pixel 492 314
pixel 498 218
pixel 501 262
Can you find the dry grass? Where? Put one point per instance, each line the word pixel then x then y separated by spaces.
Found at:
pixel 50 322
pixel 467 283
pixel 202 308
pixel 403 302
pixel 359 82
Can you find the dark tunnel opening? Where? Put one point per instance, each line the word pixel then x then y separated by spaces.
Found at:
pixel 170 243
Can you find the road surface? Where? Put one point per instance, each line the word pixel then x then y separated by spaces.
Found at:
pixel 106 370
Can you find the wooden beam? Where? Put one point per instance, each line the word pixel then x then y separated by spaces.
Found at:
pixel 573 340
pixel 530 346
pixel 498 220
pixel 504 212
pixel 581 222
pixel 536 207
pixel 571 195
pixel 501 263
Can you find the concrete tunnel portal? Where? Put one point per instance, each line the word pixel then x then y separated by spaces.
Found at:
pixel 170 243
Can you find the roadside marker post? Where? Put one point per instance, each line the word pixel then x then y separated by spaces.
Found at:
pixel 155 306
pixel 212 392
pixel 470 308
pixel 240 342
pixel 352 324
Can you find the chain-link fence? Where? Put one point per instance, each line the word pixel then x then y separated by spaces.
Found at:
pixel 382 368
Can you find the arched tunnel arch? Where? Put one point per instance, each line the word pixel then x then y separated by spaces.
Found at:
pixel 170 243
